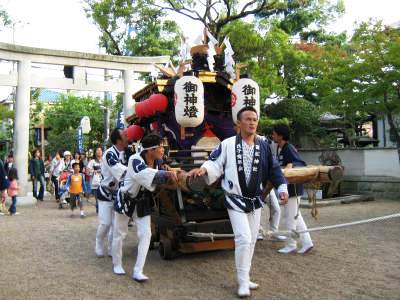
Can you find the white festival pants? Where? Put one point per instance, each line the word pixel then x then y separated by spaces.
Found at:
pixel 143 227
pixel 245 228
pixel 275 211
pixel 290 210
pixel 105 217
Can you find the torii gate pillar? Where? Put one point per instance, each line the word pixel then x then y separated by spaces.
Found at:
pixel 21 129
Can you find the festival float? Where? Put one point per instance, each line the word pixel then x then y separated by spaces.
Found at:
pixel 193 109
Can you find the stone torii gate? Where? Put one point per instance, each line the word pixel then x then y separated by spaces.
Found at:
pixel 24 80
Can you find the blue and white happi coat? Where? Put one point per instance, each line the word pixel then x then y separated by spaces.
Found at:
pixel 243 180
pixel 139 182
pixel 113 170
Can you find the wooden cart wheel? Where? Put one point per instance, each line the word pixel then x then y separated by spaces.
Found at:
pixel 165 249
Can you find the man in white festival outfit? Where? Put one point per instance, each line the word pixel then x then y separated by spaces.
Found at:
pixel 113 171
pixel 247 164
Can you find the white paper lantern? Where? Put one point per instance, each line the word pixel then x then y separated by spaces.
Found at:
pixel 85 124
pixel 189 101
pixel 245 92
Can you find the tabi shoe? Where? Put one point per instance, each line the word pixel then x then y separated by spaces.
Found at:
pixel 119 270
pixel 243 291
pixel 305 249
pixel 287 250
pixel 140 277
pixel 253 285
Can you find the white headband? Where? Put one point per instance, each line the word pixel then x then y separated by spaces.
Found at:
pixel 152 147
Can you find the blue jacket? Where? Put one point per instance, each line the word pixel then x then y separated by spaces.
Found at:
pixel 4 183
pixel 289 155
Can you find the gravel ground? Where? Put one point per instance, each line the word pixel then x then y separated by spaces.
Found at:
pixel 46 254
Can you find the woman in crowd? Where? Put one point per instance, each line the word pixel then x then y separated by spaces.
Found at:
pixel 94 171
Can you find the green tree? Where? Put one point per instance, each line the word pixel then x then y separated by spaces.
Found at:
pixel 293 15
pixel 301 14
pixel 133 27
pixel 367 79
pixel 64 118
pixel 5 19
pixel 36 110
pixel 302 115
pixel 6 115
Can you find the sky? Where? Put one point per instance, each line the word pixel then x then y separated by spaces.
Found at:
pixel 62 24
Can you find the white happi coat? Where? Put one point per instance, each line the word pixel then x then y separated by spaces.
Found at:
pixel 138 175
pixel 222 161
pixel 139 178
pixel 113 171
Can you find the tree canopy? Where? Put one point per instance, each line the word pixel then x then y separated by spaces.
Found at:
pixel 133 28
pixel 64 118
pixel 5 19
pixel 293 15
pixel 285 46
pixel 366 80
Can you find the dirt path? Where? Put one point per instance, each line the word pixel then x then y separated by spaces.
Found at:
pixel 45 254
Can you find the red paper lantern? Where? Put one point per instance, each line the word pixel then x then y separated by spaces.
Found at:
pixel 134 133
pixel 148 108
pixel 159 102
pixel 139 109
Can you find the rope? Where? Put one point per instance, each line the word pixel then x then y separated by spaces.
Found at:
pixel 296 234
pixel 311 189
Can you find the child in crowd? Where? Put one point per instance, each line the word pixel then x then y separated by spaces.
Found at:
pixel 12 190
pixel 76 186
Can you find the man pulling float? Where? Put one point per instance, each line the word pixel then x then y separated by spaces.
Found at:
pixel 135 200
pixel 247 164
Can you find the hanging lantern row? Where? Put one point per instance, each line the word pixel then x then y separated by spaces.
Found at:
pixel 189 101
pixel 149 107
